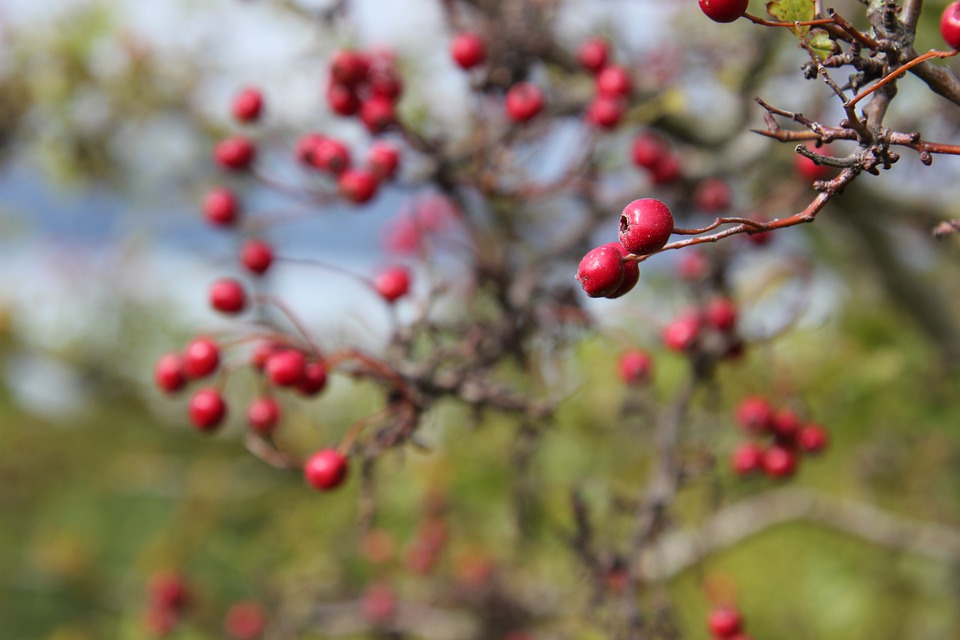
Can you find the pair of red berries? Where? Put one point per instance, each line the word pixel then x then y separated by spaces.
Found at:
pixel 651 152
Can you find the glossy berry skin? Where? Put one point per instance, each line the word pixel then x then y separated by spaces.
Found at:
pixel 950 25
pixel 631 272
pixel 779 462
pixel 168 373
pixel 207 409
pixel 314 379
pixel 634 367
pixel 614 82
pixel 285 368
pixel 343 100
pixel 247 105
pixel 357 185
pixel 601 271
pixel 593 54
pixel 331 155
pixel 468 50
pixel 724 622
pixel 235 154
pixel 227 296
pixel 245 621
pixel 812 438
pixel 256 256
pixel 200 358
pixel 220 207
pixel 377 114
pixel 683 333
pixel 524 101
pixel 392 283
pixel 326 469
pixel 605 112
pixel 263 414
pixel 721 314
pixel 754 414
pixel 724 10
pixel 747 459
pixel 349 68
pixel 383 159
pixel 645 226
pixel 713 195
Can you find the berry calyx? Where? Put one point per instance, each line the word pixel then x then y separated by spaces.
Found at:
pixel 227 296
pixel 256 256
pixel 207 409
pixel 220 207
pixel 523 102
pixel 285 368
pixel 724 10
pixel 747 459
pixel 168 373
pixel 326 469
pixel 468 50
pixel 950 25
pixel 247 105
pixel 724 622
pixel 593 54
pixel 235 153
pixel 601 271
pixel 635 366
pixel 392 283
pixel 614 82
pixel 200 358
pixel 263 414
pixel 645 226
pixel 357 185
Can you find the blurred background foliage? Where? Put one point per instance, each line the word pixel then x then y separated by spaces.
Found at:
pixel 102 484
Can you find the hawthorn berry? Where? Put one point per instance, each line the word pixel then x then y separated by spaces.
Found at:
pixel 666 171
pixel 263 414
pixel 724 622
pixel 645 226
pixel 724 10
pixel 262 352
pixel 648 150
pixel 207 409
pixel 785 424
pixel 168 590
pixel 812 438
pixel 950 25
pixel 592 54
pixel 326 469
pixel 236 153
pixel 392 283
pixel 285 368
pixel 601 271
pixel 385 81
pixel 377 114
pixel 754 414
pixel 468 50
pixel 305 146
pixel 247 105
pixel 605 112
pixel 357 185
pixel 631 272
pixel 220 207
pixel 168 373
pixel 379 603
pixel 349 67
pixel 747 459
pixel 343 100
pixel 524 101
pixel 331 155
pixel 228 296
pixel 779 462
pixel 245 621
pixel 314 379
pixel 634 366
pixel 683 333
pixel 713 195
pixel 256 256
pixel 614 82
pixel 721 313
pixel 200 358
pixel 383 159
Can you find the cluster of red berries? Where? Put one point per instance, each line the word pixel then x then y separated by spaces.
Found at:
pixel 613 84
pixel 726 623
pixel 790 436
pixel 652 153
pixel 635 367
pixel 366 86
pixel 167 599
pixel 709 330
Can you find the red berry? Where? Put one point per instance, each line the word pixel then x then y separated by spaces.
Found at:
pixel 247 105
pixel 245 621
pixel 645 226
pixel 385 81
pixel 349 67
pixel 256 256
pixel 631 272
pixel 724 10
pixel 648 150
pixel 285 368
pixel 234 153
pixel 785 424
pixel 747 459
pixel 168 590
pixel 667 170
pixel 383 160
pixel 468 50
pixel 201 358
pixel 950 25
pixel 325 469
pixel 168 373
pixel 220 207
pixel 263 414
pixel 392 283
pixel 605 112
pixel 207 409
pixel 713 195
pixel 524 101
pixel 634 366
pixel 343 100
pixel 721 313
pixel 262 352
pixel 593 54
pixel 377 114
pixel 314 379
pixel 754 414
pixel 779 462
pixel 724 622
pixel 357 185
pixel 379 603
pixel 613 82
pixel 331 155
pixel 810 170
pixel 682 334
pixel 813 438
pixel 306 144
pixel 227 296
pixel 601 271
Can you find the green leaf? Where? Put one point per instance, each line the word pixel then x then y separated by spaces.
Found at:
pixel 792 11
pixel 821 44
